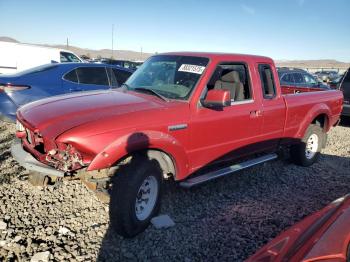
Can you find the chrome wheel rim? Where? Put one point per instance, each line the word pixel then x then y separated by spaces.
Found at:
pixel 146 198
pixel 311 146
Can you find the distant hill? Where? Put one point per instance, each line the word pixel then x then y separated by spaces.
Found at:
pixel 136 56
pixel 8 39
pixel 325 63
pixel 106 53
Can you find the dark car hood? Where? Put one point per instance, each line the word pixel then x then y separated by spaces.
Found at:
pixel 61 113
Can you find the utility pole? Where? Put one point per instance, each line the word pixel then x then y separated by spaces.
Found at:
pixel 112 39
pixel 67 43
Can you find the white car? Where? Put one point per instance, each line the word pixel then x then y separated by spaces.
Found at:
pixel 16 57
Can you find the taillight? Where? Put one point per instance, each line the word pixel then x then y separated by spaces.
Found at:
pixel 12 88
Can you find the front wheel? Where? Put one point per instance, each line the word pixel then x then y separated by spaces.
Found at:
pixel 135 196
pixel 308 150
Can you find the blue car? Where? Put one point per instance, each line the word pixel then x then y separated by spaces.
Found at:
pixel 55 79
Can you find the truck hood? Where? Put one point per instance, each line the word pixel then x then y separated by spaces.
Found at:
pixel 54 115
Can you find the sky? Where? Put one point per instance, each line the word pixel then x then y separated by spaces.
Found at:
pixel 281 29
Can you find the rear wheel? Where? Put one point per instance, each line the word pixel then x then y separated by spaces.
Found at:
pixel 308 150
pixel 135 196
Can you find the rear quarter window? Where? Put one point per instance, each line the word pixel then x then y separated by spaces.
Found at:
pixel 71 76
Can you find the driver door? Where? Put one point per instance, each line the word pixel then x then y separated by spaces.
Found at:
pixel 229 133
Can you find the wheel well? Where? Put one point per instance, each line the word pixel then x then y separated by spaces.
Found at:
pixel 165 161
pixel 321 120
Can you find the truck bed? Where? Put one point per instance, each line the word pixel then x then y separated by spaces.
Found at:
pixel 309 101
pixel 287 90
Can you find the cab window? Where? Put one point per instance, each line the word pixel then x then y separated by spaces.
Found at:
pixel 233 77
pixel 267 81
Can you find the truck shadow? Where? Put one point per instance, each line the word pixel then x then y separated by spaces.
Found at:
pixel 233 216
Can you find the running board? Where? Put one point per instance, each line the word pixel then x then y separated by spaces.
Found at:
pixel 190 182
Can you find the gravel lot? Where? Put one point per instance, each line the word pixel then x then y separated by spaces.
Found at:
pixel 223 220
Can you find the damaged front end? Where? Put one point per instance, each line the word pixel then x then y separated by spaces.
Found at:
pixel 66 160
pixel 50 161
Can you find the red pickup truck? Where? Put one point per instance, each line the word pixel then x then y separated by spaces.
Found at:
pixel 192 117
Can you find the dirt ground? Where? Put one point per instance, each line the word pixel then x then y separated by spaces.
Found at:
pixel 224 220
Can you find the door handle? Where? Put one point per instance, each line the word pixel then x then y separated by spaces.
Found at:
pixel 255 113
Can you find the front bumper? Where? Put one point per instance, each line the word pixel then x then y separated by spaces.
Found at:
pixel 27 161
pixel 346 110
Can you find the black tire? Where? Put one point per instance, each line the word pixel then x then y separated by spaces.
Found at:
pixel 38 179
pixel 125 190
pixel 298 151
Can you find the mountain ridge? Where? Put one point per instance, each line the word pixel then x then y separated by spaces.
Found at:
pixel 137 56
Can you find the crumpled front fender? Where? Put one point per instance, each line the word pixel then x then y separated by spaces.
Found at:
pixel 141 140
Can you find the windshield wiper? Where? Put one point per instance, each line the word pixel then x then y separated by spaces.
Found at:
pixel 150 91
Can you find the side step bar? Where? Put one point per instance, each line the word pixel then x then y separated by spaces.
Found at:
pixel 190 182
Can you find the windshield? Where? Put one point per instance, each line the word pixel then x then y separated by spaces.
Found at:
pixel 68 57
pixel 172 76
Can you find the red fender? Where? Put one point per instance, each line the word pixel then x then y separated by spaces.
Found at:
pixel 315 111
pixel 143 140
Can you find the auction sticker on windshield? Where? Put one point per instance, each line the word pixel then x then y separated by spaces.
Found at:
pixel 192 68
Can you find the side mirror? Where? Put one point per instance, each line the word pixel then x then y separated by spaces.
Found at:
pixel 217 98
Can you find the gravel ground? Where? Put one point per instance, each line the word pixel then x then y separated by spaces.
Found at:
pixel 227 219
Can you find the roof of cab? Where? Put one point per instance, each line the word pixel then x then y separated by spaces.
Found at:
pixel 221 56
